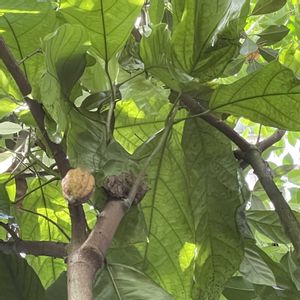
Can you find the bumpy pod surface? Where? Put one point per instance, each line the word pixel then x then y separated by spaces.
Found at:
pixel 78 185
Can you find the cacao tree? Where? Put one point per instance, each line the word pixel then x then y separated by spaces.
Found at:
pixel 149 149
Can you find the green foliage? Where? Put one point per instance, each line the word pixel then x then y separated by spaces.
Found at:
pixel 259 97
pixel 119 281
pixel 206 228
pixel 18 280
pixel 214 196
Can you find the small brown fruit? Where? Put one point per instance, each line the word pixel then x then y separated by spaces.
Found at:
pixel 78 185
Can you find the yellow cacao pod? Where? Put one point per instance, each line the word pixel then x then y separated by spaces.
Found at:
pixel 78 185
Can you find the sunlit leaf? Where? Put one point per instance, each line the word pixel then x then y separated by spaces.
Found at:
pixel 23 25
pixel 213 196
pixel 156 11
pixel 45 203
pixel 7 106
pixel 109 23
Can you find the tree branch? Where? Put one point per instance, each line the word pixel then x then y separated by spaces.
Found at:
pixel 195 108
pixel 76 212
pixel 252 155
pixel 9 230
pixel 271 140
pixel 36 248
pixel 286 215
pixel 261 146
pixel 84 262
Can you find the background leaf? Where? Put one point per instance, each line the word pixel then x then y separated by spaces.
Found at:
pixel 267 6
pixel 260 97
pixel 9 128
pixel 267 222
pixel 272 34
pixel 18 281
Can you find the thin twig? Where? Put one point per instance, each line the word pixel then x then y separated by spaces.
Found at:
pixel 30 55
pixel 36 248
pixel 9 230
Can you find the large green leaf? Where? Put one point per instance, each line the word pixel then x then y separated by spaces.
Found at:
pixel 269 278
pixel 86 142
pixel 65 51
pixel 290 57
pixel 141 113
pixel 269 293
pixel 255 269
pixel 46 202
pixel 156 11
pixel 268 223
pixel 109 23
pixel 154 51
pixel 238 288
pixel 18 281
pixel 270 96
pixel 203 45
pixel 58 290
pixel 22 25
pixel 214 197
pixel 168 255
pixel 123 282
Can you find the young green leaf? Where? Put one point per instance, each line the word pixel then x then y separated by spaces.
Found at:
pixel 267 6
pixel 268 54
pixel 9 128
pixel 272 35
